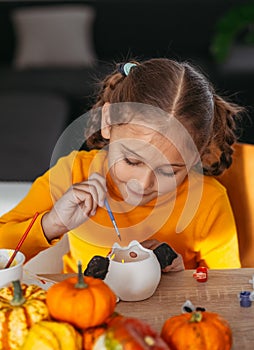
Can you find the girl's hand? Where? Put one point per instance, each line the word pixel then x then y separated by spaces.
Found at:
pixel 177 263
pixel 75 206
pixel 151 244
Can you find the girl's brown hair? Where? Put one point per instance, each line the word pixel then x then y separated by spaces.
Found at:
pixel 184 92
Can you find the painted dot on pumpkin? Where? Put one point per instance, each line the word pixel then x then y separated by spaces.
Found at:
pixel 133 254
pixel 149 340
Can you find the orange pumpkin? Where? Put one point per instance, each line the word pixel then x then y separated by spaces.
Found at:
pixel 127 333
pixel 197 331
pixel 84 302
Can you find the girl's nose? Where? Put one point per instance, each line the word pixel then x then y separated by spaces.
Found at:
pixel 146 179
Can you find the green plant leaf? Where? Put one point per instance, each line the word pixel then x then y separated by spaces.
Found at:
pixel 237 20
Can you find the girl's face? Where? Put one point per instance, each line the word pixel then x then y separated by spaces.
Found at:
pixel 143 163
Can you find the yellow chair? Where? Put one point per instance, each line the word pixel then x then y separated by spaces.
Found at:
pixel 239 182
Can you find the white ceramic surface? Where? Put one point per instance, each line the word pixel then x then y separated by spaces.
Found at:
pixel 134 272
pixel 15 271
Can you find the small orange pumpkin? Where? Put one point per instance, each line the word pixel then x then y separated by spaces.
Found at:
pixel 83 303
pixel 197 331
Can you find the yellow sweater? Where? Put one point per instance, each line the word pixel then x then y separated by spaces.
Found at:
pixel 196 221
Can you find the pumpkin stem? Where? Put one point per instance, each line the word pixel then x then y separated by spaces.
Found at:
pixel 196 317
pixel 81 283
pixel 18 298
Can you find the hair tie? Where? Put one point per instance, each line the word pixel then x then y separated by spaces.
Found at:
pixel 125 68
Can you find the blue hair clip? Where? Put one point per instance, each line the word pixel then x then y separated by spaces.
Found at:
pixel 125 68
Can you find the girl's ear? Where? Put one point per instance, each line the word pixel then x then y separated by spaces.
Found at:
pixel 105 121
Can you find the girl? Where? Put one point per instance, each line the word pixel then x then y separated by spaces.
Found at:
pixel 157 134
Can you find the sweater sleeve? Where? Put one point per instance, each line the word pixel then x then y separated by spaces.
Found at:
pixel 218 244
pixel 45 190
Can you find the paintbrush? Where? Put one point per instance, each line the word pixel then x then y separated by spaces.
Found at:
pixel 112 218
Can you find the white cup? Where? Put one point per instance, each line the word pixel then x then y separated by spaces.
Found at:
pixel 15 271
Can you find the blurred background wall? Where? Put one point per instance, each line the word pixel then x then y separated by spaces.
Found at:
pixel 52 54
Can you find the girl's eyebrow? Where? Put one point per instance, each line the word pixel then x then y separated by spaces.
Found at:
pixel 131 151
pixel 139 156
pixel 180 165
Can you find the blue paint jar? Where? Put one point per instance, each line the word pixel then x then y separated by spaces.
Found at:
pixel 245 300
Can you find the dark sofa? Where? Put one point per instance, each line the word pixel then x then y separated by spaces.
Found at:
pixel 36 104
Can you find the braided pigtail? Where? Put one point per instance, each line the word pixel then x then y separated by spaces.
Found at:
pixel 217 155
pixel 93 137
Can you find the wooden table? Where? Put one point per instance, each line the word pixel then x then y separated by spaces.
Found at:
pixel 219 294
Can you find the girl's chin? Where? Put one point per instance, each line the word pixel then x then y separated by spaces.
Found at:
pixel 136 200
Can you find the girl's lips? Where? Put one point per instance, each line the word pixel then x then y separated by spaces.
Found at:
pixel 137 194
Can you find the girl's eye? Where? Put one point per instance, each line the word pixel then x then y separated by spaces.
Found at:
pixel 161 172
pixel 132 162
